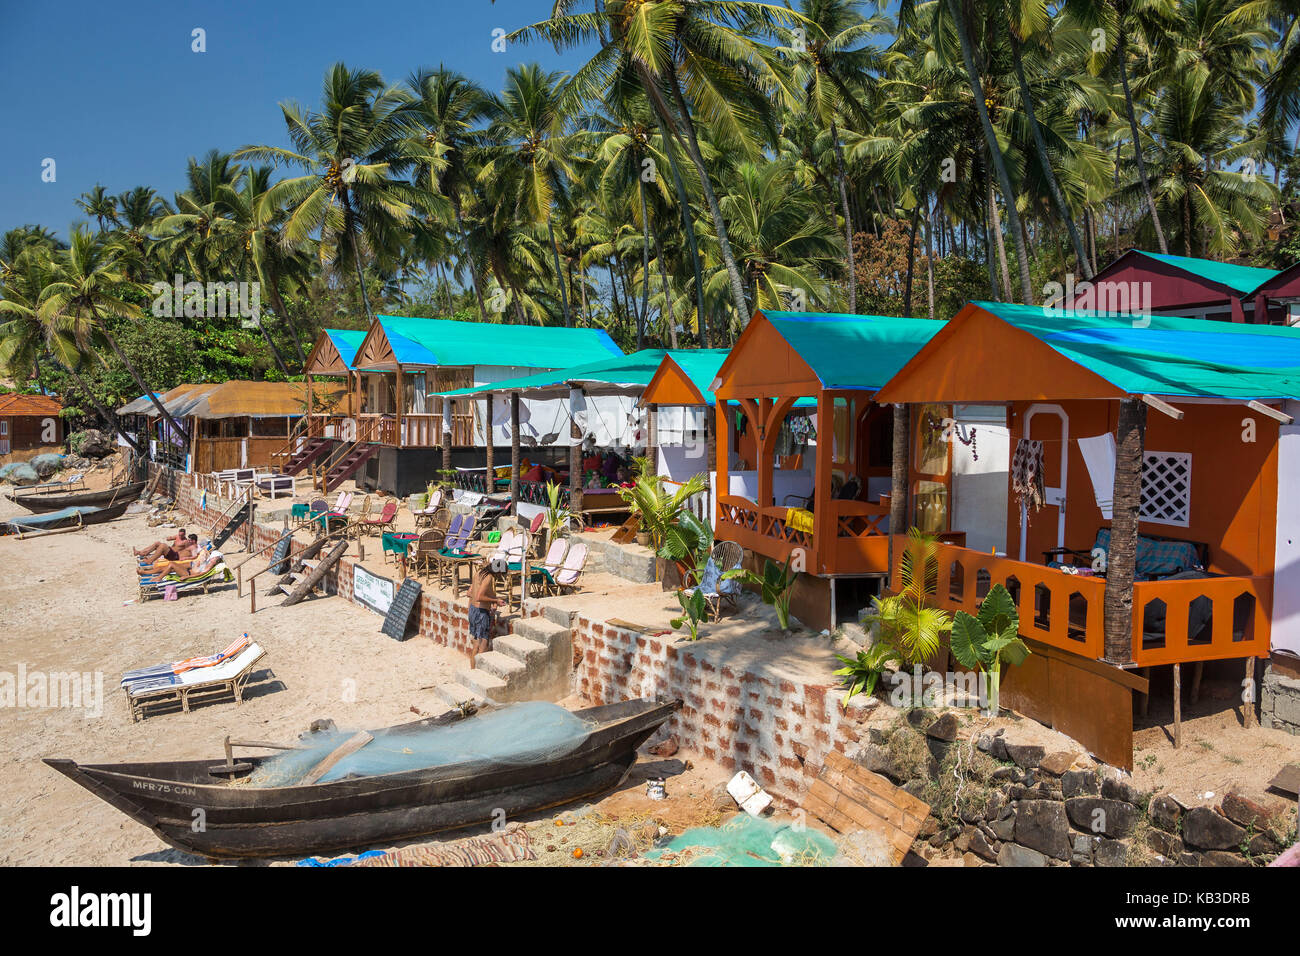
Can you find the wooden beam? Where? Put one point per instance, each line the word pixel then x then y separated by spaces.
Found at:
pixel 575 453
pixel 1269 412
pixel 1163 407
pixel 514 453
pixel 487 451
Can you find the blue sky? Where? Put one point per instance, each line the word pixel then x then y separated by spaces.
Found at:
pixel 113 93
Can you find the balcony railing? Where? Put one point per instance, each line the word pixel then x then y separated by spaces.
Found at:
pixel 1227 613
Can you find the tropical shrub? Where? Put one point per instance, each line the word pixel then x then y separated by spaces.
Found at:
pixel 906 620
pixel 989 640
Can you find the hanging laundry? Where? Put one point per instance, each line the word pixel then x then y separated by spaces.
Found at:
pixel 1027 472
pixel 802 429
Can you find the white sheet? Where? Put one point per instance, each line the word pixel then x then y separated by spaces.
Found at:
pixel 1099 456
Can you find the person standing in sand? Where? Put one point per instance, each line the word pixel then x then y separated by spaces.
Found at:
pixel 483 602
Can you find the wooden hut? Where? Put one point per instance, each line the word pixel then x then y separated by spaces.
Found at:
pixel 29 424
pixel 1214 544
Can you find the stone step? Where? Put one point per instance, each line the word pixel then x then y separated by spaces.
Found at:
pixel 453 695
pixel 562 616
pixel 521 648
pixel 499 665
pixel 540 629
pixel 482 683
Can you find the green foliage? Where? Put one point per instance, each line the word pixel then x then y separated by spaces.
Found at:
pixel 861 673
pixel 987 642
pixel 662 514
pixel 557 516
pixel 694 610
pixel 905 620
pixel 775 584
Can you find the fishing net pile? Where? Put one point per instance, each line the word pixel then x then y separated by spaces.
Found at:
pixel 515 734
pixel 748 841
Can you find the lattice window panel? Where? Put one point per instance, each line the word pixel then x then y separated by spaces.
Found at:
pixel 1166 488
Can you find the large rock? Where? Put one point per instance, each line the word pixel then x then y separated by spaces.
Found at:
pixel 1113 788
pixel 1111 853
pixel 1041 825
pixel 1079 783
pixel 944 728
pixel 1242 810
pixel 1012 854
pixel 1165 812
pixel 1112 818
pixel 93 443
pixel 1203 829
pixel 1025 756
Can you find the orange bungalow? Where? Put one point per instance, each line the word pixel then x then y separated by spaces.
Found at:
pixel 1214 543
pixel 801 387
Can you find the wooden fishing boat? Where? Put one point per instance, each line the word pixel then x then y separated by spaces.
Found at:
pixel 356 812
pixel 51 500
pixel 64 518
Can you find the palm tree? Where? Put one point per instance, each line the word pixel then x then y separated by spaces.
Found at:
pixel 84 293
pixel 832 67
pixel 353 150
pixel 691 57
pixel 449 107
pixel 100 204
pixel 529 165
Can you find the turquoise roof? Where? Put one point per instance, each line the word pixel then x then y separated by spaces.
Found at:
pixel 1164 355
pixel 853 351
pixel 346 342
pixel 621 371
pixel 417 341
pixel 1241 279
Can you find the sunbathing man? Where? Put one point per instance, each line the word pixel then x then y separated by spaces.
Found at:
pixel 183 559
pixel 163 549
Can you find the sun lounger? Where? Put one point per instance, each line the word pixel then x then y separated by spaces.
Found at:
pixel 180 667
pixel 207 684
pixel 220 574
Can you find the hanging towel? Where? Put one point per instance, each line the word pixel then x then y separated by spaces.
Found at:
pixel 1027 472
pixel 1099 456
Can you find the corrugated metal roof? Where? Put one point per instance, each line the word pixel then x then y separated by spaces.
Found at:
pixel 16 405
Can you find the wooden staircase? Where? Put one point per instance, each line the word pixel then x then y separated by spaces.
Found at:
pixel 311 450
pixel 348 465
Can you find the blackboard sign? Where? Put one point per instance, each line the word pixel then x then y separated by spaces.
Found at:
pixel 280 553
pixel 399 613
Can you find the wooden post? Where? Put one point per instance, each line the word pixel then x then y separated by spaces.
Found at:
pixel 401 442
pixel 720 454
pixel 652 436
pixel 446 437
pixel 252 514
pixel 898 475
pixel 1197 669
pixel 767 427
pixel 487 451
pixel 1145 703
pixel 1178 707
pixel 1248 706
pixel 1121 560
pixel 575 453
pixel 514 453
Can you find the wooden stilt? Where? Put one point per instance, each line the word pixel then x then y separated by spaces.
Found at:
pixel 1145 703
pixel 1197 670
pixel 1248 699
pixel 1178 706
pixel 487 449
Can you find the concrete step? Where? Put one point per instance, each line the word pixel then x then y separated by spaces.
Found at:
pixel 482 683
pixel 499 665
pixel 562 616
pixel 521 648
pixel 541 629
pixel 453 695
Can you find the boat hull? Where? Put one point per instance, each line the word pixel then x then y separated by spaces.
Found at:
pixel 41 502
pixel 223 822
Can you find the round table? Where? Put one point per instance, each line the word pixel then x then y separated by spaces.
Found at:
pixel 399 543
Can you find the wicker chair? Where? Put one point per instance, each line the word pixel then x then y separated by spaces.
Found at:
pixel 726 556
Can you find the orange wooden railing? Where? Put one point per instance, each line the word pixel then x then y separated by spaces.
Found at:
pixel 763 530
pixel 1238 627
pixel 1067 610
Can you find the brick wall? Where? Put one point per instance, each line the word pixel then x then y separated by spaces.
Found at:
pixel 776 729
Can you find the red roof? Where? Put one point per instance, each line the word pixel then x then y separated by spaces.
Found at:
pixel 13 405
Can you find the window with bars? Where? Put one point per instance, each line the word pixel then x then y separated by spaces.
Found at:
pixel 1166 488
